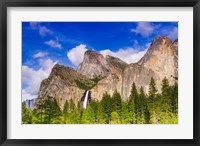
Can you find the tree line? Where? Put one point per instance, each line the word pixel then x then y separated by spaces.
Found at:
pixel 139 108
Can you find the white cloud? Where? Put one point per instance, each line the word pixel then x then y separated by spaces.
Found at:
pixel 76 54
pixel 54 44
pixel 32 78
pixel 47 64
pixel 40 54
pixel 144 28
pixel 129 55
pixel 26 95
pixel 43 31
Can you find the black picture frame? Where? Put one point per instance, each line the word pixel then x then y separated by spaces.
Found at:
pixel 4 4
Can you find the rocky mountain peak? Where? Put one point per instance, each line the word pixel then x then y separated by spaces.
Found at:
pixel 161 57
pixel 161 40
pixel 57 68
pixel 160 46
pixel 65 83
pixel 92 56
pixel 116 62
pixel 95 64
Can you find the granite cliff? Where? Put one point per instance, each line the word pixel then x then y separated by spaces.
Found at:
pixel 101 74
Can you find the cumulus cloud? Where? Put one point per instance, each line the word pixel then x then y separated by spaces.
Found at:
pixel 76 54
pixel 40 54
pixel 129 55
pixel 144 28
pixel 54 44
pixel 27 96
pixel 32 78
pixel 43 30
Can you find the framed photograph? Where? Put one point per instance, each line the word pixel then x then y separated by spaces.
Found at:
pixel 99 72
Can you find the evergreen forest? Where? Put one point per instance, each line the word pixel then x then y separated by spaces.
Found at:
pixel 138 108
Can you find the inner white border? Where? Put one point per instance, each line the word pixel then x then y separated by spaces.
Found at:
pixel 183 130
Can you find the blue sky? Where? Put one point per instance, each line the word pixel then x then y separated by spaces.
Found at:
pixel 46 43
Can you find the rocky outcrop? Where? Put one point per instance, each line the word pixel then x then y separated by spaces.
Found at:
pixel 65 83
pixel 96 65
pixel 93 65
pixel 138 74
pixel 101 74
pixel 109 84
pixel 161 60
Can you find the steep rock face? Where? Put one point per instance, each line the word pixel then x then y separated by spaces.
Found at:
pixel 112 69
pixel 64 83
pixel 175 48
pixel 109 84
pixel 115 63
pixel 138 74
pixel 162 58
pixel 123 83
pixel 101 74
pixel 96 65
pixel 93 65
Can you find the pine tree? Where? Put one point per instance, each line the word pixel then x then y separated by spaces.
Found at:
pixel 174 104
pixel 38 112
pixel 66 110
pixel 101 116
pixel 115 118
pixel 26 115
pixel 166 99
pixel 133 102
pixel 160 109
pixel 89 116
pixel 165 87
pixel 72 106
pixel 116 102
pixel 72 117
pixel 51 109
pixel 143 106
pixel 134 92
pixel 174 98
pixel 126 116
pixel 131 110
pixel 152 102
pixel 107 106
pixel 94 105
pixel 78 112
pixel 137 109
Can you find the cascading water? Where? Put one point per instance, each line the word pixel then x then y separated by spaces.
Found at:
pixel 85 100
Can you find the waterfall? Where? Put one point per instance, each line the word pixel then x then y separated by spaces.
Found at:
pixel 85 100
